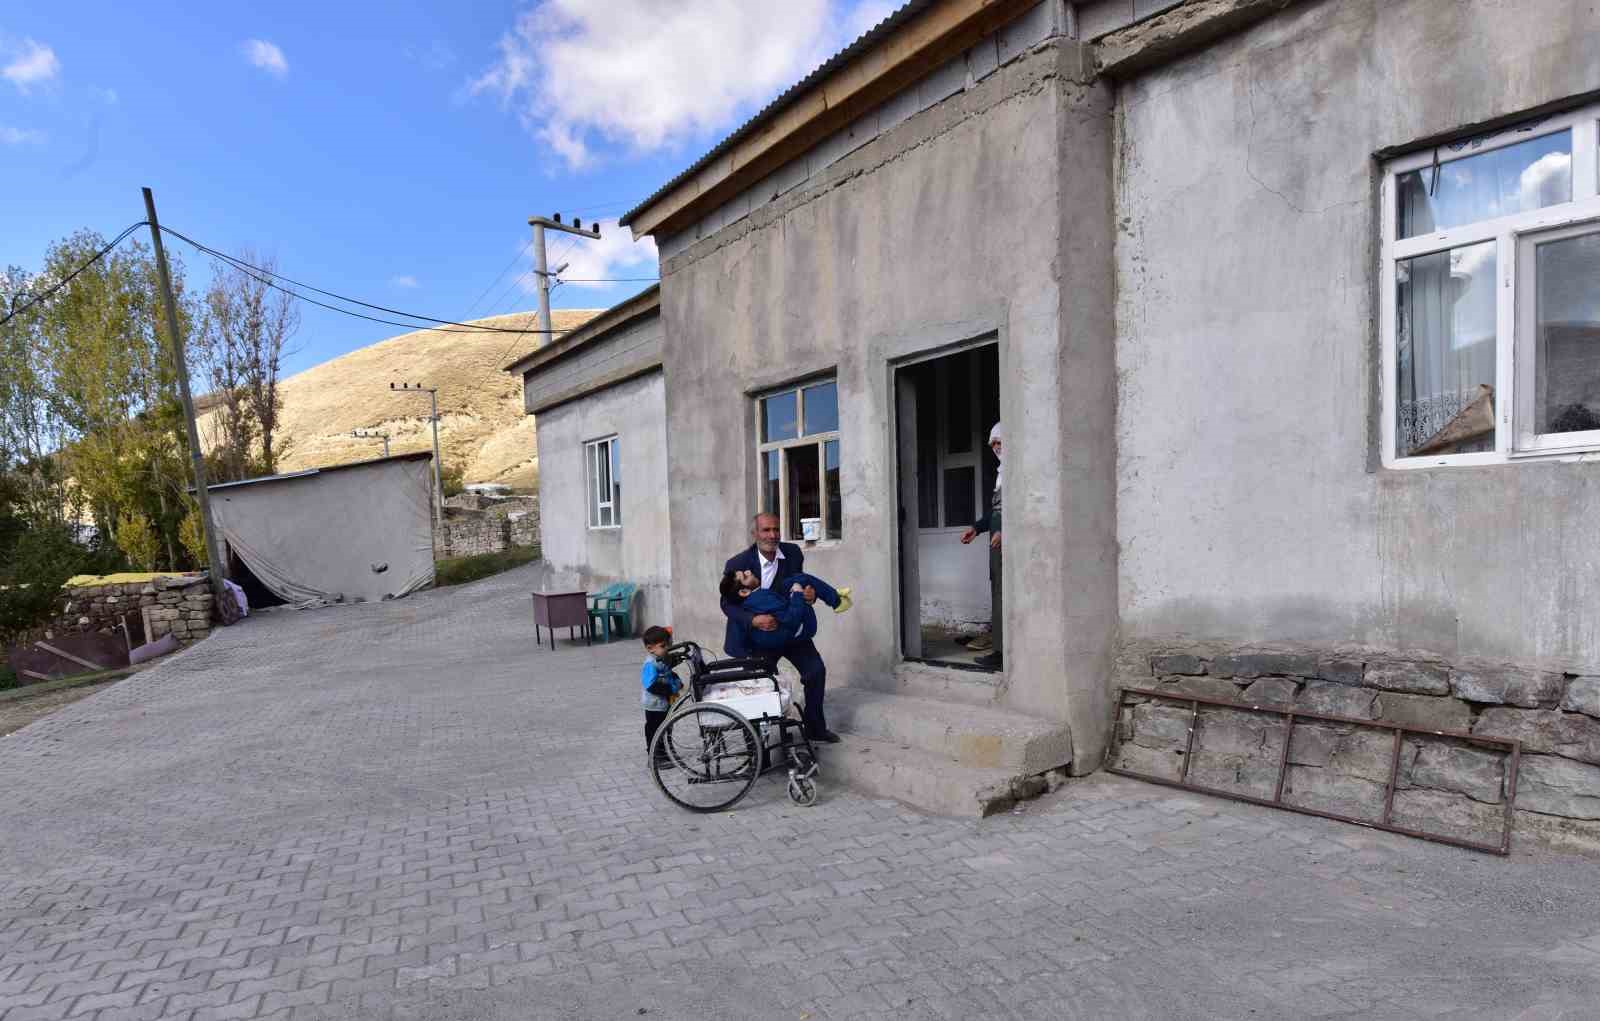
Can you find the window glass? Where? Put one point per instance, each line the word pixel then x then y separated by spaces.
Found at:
pixel 589 454
pixel 1567 373
pixel 769 482
pixel 822 409
pixel 1445 351
pixel 830 457
pixel 1529 175
pixel 959 486
pixel 927 445
pixel 805 491
pixel 779 417
pixel 616 482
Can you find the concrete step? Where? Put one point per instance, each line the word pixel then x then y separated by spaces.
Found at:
pixel 948 684
pixel 982 737
pixel 932 783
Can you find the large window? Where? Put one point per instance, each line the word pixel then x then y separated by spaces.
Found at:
pixel 797 452
pixel 602 461
pixel 957 402
pixel 1491 296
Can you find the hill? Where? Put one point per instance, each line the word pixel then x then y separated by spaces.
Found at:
pixel 481 421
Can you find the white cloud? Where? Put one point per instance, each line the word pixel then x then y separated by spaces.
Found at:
pixel 646 74
pixel 19 136
pixel 406 282
pixel 266 56
pixel 594 263
pixel 1546 181
pixel 32 64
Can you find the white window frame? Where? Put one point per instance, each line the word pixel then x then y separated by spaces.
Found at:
pixel 802 439
pixel 1514 237
pixel 597 504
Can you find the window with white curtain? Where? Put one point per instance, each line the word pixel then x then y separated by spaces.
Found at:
pixel 1491 296
pixel 603 468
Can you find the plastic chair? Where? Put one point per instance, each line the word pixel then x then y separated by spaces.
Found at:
pixel 613 603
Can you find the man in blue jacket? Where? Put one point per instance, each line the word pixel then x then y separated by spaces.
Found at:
pixel 772 561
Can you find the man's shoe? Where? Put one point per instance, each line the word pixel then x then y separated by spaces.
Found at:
pixel 993 661
pixel 826 737
pixel 979 643
pixel 844 601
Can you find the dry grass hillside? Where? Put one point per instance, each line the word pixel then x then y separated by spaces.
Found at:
pixel 481 422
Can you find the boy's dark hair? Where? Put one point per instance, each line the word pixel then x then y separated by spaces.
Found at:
pixel 730 587
pixel 657 636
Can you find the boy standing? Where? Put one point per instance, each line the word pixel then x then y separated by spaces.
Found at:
pixel 659 682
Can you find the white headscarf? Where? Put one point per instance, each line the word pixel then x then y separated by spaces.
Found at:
pixel 994 434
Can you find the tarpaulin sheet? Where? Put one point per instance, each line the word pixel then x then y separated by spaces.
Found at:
pixel 356 532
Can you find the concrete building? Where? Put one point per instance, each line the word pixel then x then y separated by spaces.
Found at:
pixel 599 401
pixel 1285 304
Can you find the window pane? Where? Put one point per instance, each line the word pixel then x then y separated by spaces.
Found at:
pixel 589 475
pixel 805 492
pixel 822 409
pixel 1528 175
pixel 616 483
pixel 1445 351
pixel 769 482
pixel 927 447
pixel 603 457
pixel 779 418
pixel 959 484
pixel 958 407
pixel 1567 377
pixel 830 456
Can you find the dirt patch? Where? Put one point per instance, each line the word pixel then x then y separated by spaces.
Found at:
pixel 17 713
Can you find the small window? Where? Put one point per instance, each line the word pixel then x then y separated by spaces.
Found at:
pixel 1491 325
pixel 603 468
pixel 798 457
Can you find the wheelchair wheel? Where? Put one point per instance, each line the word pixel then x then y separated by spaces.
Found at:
pixel 705 757
pixel 802 791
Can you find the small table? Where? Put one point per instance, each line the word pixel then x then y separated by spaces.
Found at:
pixel 561 609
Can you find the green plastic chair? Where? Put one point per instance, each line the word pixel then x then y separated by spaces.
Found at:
pixel 613 603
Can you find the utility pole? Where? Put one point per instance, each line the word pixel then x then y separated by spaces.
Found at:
pixel 361 435
pixel 438 485
pixel 181 369
pixel 542 270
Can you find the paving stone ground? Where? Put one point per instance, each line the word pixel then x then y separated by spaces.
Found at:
pixel 406 810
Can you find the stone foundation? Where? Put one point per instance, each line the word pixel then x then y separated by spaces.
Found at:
pixel 179 604
pixel 1445 786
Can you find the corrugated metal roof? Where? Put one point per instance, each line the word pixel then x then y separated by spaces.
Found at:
pixel 413 456
pixel 787 97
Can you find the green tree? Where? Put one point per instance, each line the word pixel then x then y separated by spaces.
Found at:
pixel 137 539
pixel 193 536
pixel 31 579
pixel 452 479
pixel 247 329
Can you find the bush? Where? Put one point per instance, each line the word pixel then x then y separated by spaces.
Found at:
pixel 30 585
pixel 452 480
pixel 460 570
pixel 7 678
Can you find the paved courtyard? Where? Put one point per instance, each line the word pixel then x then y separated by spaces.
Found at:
pixel 406 810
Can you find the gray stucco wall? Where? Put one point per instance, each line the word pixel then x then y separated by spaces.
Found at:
pixel 945 229
pixel 1246 320
pixel 639 551
pixel 629 350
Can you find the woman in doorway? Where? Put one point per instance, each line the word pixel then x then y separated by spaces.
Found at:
pixel 990 523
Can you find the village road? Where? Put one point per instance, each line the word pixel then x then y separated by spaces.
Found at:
pixel 406 810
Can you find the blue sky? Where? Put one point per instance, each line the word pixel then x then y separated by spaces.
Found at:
pixel 391 152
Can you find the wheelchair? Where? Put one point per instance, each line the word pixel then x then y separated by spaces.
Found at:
pixel 725 730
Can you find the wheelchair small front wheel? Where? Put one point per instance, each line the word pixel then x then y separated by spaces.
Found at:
pixel 705 757
pixel 802 791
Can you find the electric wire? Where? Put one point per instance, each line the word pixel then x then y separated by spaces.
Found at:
pixel 64 281
pixel 264 274
pixel 500 276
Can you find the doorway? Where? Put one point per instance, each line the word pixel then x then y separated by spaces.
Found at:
pixel 256 592
pixel 944 408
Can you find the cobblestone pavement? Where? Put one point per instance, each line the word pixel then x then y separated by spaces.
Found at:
pixel 16 713
pixel 406 810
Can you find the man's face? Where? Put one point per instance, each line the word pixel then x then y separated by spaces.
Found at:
pixel 765 531
pixel 995 446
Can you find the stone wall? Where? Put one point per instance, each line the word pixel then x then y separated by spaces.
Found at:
pixel 1445 786
pixel 466 535
pixel 180 604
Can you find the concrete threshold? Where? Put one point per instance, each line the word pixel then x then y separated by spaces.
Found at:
pixel 947 757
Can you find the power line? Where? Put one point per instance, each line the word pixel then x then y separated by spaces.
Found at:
pixel 64 281
pixel 611 280
pixel 241 264
pixel 497 279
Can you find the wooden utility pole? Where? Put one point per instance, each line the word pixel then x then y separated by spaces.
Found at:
pixel 181 368
pixel 438 481
pixel 543 272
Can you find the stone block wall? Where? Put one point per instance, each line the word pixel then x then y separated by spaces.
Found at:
pixel 502 523
pixel 180 604
pixel 1445 786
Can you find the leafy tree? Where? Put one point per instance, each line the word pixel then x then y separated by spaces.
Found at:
pixel 192 534
pixel 31 579
pixel 248 326
pixel 452 479
pixel 137 539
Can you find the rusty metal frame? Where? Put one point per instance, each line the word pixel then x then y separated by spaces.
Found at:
pixel 1513 748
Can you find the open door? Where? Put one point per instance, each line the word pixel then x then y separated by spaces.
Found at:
pixel 910 582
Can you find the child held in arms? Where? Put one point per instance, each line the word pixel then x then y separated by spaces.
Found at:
pixel 660 684
pixel 797 621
